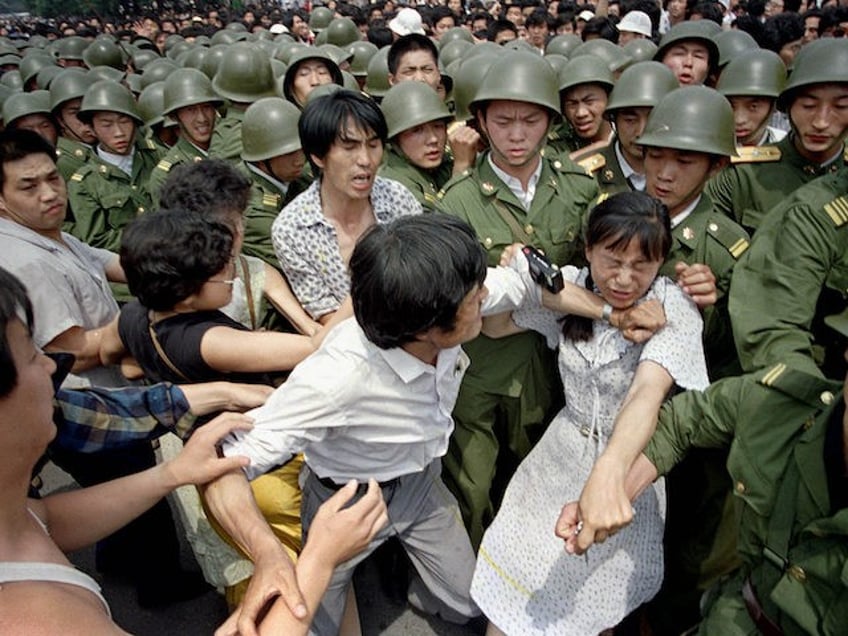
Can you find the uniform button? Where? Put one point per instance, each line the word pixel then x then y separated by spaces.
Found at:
pixel 713 227
pixel 487 242
pixel 797 573
pixel 529 229
pixel 557 164
pixel 140 210
pixel 740 487
pixel 134 187
pixel 826 398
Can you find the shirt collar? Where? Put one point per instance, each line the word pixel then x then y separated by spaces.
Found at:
pixel 679 218
pixel 123 163
pixel 282 186
pixel 514 184
pixel 406 365
pixel 636 178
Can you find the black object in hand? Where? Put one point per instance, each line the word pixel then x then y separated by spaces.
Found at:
pixel 542 270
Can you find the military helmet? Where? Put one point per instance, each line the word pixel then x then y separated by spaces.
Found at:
pixel 349 82
pixel 342 31
pixel 732 44
pixel 615 56
pixel 302 56
pixel 453 51
pixel 141 58
pixel 269 129
pixel 107 72
pixel 688 31
pixel 238 27
pixel 13 80
pixel 455 34
pixel 223 36
pixel 11 60
pixel 641 49
pixel 103 52
pixel 759 73
pixel 244 74
pixel 320 91
pixel 336 53
pixel 642 85
pixel 821 61
pixel 467 80
pixel 32 64
pixel 320 38
pixel 286 50
pixel 521 77
pixel 519 44
pixel 5 93
pixel 23 104
pixel 194 58
pixel 410 104
pixel 188 87
pixel 71 48
pixel 586 69
pixel 320 19
pixel 563 44
pixel 362 51
pixel 108 96
pixel 556 61
pixel 377 80
pixel 133 81
pixel 212 60
pixel 157 71
pixel 46 75
pixel 692 118
pixel 279 69
pixel 179 49
pixel 151 105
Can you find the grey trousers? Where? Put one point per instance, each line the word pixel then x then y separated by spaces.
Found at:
pixel 425 517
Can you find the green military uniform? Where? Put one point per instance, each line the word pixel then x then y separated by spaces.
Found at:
pixel 562 139
pixel 266 202
pixel 760 178
pixel 71 156
pixel 604 166
pixel 182 152
pixel 785 432
pixel 512 382
pixel 226 139
pixel 794 275
pixel 424 184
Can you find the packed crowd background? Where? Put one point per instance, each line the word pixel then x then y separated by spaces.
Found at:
pixel 315 214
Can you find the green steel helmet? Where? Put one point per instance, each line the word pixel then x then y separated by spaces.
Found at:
pixel 212 60
pixel 320 38
pixel 46 75
pixel 286 50
pixel 133 81
pixel 641 50
pixel 452 51
pixel 38 41
pixel 238 27
pixel 759 73
pixel 5 93
pixel 269 129
pixel 520 44
pixel 467 80
pixel 342 31
pixel 245 74
pixel 362 51
pixel 223 37
pixel 692 118
pixel 377 80
pixel 141 58
pixel 151 104
pixel 410 104
pixel 103 52
pixel 685 31
pixel 732 44
pixel 447 77
pixel 822 61
pixel 320 19
pixel 107 72
pixel 188 87
pixel 108 96
pixel 141 43
pixel 71 48
pixel 337 53
pixel 194 57
pixel 556 61
pixel 324 89
pixel 563 44
pixel 282 38
pixel 32 64
pixel 70 84
pixel 13 80
pixel 615 56
pixel 279 69
pixel 178 49
pixel 23 104
pixel 172 40
pixel 305 55
pixel 348 81
pixel 484 48
pixel 642 85
pixel 10 60
pixel 455 34
pixel 585 69
pixel 157 71
pixel 522 77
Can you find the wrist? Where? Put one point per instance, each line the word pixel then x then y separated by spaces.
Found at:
pixel 606 313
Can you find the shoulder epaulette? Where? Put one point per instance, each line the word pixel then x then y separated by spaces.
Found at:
pixel 270 200
pixel 77 176
pixel 164 165
pixel 462 176
pixel 81 173
pixel 149 144
pixel 837 210
pixel 732 237
pixel 603 196
pixel 757 154
pixel 772 374
pixel 592 163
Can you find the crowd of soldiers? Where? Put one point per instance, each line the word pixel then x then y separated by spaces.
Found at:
pixel 733 116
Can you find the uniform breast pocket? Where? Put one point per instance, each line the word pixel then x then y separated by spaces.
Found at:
pixel 495 240
pixel 119 209
pixel 749 483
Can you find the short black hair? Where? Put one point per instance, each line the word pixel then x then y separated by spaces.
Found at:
pixel 500 25
pixel 17 144
pixel 781 29
pixel 412 274
pixel 324 121
pixel 539 17
pixel 169 255
pixel 14 304
pixel 408 43
pixel 708 10
pixel 213 188
pixel 602 26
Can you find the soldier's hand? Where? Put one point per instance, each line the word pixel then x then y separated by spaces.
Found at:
pixel 641 321
pixel 509 254
pixel 699 282
pixel 463 141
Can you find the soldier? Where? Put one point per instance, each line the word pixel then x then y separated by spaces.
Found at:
pixel 309 68
pixel 161 130
pixel 513 194
pixel 584 87
pixel 244 75
pixel 417 120
pixel 189 99
pixel 31 111
pixel 75 137
pixel 111 189
pixel 689 52
pixel 274 162
pixel 818 86
pixel 620 166
pixel 793 276
pixel 414 57
pixel 751 83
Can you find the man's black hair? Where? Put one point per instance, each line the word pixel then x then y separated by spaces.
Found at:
pixel 708 11
pixel 500 25
pixel 14 304
pixel 781 29
pixel 214 189
pixel 407 44
pixel 18 144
